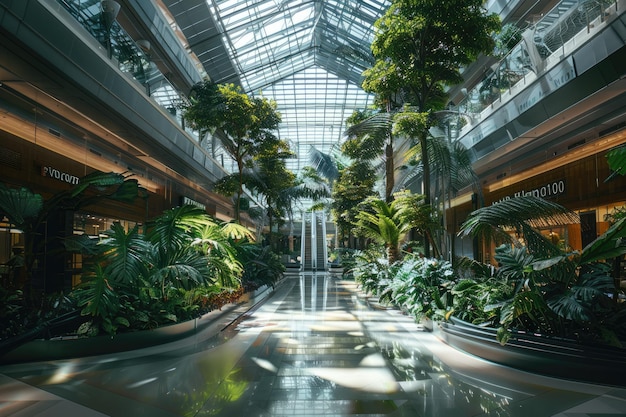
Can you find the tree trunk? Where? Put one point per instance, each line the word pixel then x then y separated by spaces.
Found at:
pixel 393 254
pixel 389 172
pixel 239 191
pixel 426 179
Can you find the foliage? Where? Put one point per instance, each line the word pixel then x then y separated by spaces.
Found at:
pixel 354 184
pixel 274 185
pixel 522 215
pixel 419 50
pixel 552 292
pixel 420 47
pixel 18 319
pixel 616 214
pixel 370 270
pixel 390 223
pixel 246 127
pixel 30 213
pixel 262 266
pixel 391 134
pixel 474 297
pixel 536 287
pixel 347 259
pixel 140 281
pixel 616 158
pixel 11 310
pixel 422 286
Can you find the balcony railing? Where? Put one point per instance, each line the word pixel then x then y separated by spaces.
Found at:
pixel 543 45
pixel 132 58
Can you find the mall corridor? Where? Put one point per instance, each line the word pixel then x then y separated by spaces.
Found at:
pixel 315 347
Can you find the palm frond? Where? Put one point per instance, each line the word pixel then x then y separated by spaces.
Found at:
pixel 97 298
pixel 609 245
pixel 518 213
pixel 323 163
pixel 378 125
pixel 124 255
pixel 236 231
pixel 616 158
pixel 173 228
pixel 19 205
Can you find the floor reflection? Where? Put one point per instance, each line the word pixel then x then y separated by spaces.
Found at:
pixel 317 347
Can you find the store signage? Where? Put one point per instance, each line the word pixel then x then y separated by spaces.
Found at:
pixel 51 172
pixel 550 190
pixel 184 201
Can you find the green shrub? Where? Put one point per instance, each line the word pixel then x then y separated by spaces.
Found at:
pixel 422 286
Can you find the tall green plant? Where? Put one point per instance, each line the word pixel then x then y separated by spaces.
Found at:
pixel 390 223
pixel 354 184
pixel 555 292
pixel 246 126
pixel 419 50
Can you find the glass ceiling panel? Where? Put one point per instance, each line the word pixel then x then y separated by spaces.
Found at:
pixel 307 55
pixel 314 105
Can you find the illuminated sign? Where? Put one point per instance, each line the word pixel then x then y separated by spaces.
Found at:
pixel 184 201
pixel 547 191
pixel 48 171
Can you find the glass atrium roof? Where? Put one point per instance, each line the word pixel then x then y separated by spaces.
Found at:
pixel 308 55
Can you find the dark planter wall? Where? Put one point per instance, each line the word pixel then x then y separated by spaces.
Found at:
pixel 560 358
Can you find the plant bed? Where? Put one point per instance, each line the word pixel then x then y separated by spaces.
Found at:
pixel 562 358
pixel 73 347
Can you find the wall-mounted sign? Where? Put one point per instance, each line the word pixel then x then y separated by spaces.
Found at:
pixel 51 172
pixel 184 201
pixel 547 191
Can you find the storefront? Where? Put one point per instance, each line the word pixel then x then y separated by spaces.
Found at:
pixel 43 172
pixel 582 186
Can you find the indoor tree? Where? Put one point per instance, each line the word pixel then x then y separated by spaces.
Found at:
pixel 419 49
pixel 389 223
pixel 354 184
pixel 243 124
pixel 389 133
pixel 270 180
pixel 451 172
pixel 449 161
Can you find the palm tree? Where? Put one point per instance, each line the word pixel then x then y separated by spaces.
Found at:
pixel 390 223
pixel 450 162
pixel 389 132
pixel 451 172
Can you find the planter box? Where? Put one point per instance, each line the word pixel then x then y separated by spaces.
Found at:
pixel 73 347
pixel 562 358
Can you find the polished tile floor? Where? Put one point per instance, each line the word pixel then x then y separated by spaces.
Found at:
pixel 316 347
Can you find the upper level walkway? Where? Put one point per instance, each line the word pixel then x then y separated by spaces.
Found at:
pixel 315 347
